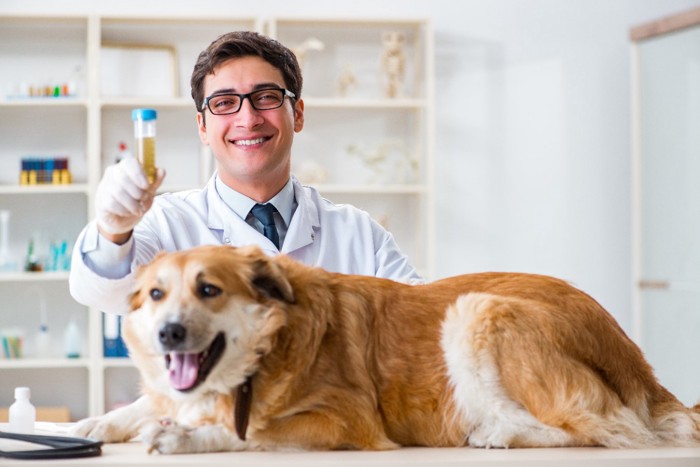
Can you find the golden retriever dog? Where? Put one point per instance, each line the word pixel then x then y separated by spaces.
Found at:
pixel 238 351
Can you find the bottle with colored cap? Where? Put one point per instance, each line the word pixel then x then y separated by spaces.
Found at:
pixel 22 413
pixel 145 134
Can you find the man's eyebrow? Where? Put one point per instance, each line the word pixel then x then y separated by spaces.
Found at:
pixel 257 87
pixel 266 86
pixel 223 91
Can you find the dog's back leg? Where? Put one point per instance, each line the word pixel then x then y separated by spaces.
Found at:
pixel 516 383
pixel 489 416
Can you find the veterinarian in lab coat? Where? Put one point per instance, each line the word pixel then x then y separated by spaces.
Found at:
pixel 247 89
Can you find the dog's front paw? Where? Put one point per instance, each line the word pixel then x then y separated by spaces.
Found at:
pixel 102 429
pixel 167 437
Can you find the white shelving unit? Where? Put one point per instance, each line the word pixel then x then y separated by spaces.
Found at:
pixel 398 190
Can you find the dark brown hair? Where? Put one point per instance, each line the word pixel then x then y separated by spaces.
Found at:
pixel 242 44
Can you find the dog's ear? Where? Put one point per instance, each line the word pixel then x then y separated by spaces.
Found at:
pixel 270 280
pixel 135 298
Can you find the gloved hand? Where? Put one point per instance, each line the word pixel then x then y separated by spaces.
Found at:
pixel 124 195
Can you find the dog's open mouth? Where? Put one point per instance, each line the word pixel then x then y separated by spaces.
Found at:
pixel 188 370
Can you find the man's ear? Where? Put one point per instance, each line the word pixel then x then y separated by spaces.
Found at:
pixel 298 115
pixel 202 128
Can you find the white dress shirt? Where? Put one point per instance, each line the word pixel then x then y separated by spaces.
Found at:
pixel 284 203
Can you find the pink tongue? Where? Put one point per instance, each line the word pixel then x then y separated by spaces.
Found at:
pixel 183 370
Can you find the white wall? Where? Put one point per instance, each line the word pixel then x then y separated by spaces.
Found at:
pixel 533 126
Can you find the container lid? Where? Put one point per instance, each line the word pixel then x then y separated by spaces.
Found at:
pixel 144 114
pixel 22 392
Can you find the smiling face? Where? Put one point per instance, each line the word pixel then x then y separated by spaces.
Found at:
pixel 252 147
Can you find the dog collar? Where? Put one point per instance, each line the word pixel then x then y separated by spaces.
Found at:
pixel 244 398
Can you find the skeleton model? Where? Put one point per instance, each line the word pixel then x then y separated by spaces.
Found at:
pixel 311 173
pixel 346 80
pixel 390 162
pixel 393 63
pixel 302 50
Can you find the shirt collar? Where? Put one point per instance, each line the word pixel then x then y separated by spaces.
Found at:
pixel 283 201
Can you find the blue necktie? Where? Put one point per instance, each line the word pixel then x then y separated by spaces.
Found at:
pixel 263 213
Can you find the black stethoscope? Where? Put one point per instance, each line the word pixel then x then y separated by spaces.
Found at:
pixel 60 447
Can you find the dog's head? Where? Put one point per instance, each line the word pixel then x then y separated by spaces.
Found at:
pixel 201 319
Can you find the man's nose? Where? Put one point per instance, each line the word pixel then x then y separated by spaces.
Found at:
pixel 247 115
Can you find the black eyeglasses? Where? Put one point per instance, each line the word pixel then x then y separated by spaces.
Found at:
pixel 263 99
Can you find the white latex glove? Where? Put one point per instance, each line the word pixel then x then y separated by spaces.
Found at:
pixel 124 195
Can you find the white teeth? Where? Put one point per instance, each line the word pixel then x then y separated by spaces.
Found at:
pixel 249 142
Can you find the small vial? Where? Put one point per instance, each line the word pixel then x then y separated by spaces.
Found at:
pixel 65 176
pixel 145 134
pixel 22 413
pixel 43 342
pixel 72 340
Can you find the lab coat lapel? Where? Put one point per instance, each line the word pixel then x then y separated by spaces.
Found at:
pixel 304 221
pixel 236 230
pixel 241 234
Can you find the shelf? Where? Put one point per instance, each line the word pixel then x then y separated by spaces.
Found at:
pixel 333 188
pixel 45 276
pixel 117 362
pixel 22 363
pixel 372 189
pixel 345 103
pixel 43 102
pixel 73 188
pixel 406 189
pixel 129 102
pixel 350 22
pixel 310 102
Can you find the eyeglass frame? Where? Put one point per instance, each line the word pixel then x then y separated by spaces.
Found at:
pixel 243 97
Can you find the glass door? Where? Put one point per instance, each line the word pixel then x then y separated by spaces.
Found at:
pixel 667 156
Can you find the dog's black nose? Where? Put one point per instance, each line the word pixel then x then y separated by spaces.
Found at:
pixel 172 334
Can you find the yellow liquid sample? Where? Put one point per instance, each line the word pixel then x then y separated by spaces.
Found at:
pixel 146 155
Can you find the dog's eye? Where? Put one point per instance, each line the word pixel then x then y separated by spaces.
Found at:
pixel 156 294
pixel 208 290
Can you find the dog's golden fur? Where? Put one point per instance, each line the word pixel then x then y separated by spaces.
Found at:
pixel 339 361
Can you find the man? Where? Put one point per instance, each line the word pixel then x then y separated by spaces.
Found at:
pixel 247 90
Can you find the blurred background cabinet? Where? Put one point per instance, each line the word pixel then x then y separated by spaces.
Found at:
pixel 368 140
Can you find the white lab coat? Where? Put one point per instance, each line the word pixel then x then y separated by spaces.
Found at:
pixel 339 238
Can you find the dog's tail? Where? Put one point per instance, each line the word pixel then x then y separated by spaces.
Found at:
pixel 621 364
